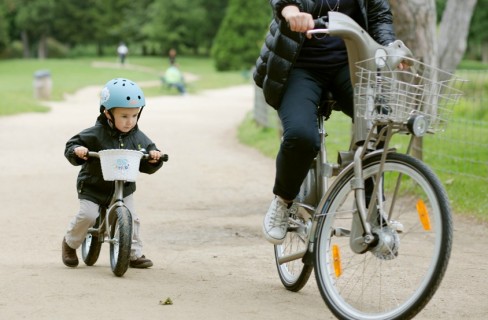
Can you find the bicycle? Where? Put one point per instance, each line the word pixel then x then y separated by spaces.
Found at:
pixel 379 237
pixel 114 224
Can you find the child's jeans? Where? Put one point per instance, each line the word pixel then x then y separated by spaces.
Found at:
pixel 86 218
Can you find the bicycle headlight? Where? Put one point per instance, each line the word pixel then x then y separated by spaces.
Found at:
pixel 417 125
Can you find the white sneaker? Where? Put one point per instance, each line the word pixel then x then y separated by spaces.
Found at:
pixel 275 224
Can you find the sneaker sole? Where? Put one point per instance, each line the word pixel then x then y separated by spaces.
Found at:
pixel 142 265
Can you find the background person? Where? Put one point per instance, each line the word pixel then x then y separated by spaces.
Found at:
pixel 122 51
pixel 173 77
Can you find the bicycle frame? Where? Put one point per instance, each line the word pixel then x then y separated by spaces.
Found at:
pixel 360 47
pixel 105 219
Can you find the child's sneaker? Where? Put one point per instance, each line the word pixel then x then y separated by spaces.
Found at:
pixel 275 224
pixel 142 262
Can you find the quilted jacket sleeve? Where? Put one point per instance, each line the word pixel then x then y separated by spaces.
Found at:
pixel 380 21
pixel 278 6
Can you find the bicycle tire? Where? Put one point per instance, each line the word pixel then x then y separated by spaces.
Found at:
pixel 294 274
pixel 90 249
pixel 91 246
pixel 398 283
pixel 121 240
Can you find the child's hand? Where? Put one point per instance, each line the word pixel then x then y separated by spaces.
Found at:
pixel 81 152
pixel 154 156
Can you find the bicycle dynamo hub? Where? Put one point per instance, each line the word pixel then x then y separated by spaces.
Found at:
pixel 387 243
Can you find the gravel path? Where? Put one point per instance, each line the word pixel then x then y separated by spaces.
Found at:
pixel 201 222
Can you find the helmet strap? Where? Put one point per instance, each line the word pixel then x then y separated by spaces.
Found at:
pixel 139 115
pixel 110 118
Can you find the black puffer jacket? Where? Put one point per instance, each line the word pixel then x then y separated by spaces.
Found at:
pixel 282 46
pixel 101 136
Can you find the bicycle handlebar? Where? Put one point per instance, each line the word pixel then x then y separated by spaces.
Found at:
pixel 364 50
pixel 360 45
pixel 145 156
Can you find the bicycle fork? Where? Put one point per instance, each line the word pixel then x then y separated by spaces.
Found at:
pixel 361 235
pixel 108 215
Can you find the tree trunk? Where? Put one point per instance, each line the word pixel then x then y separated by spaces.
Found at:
pixel 453 32
pixel 484 52
pixel 99 49
pixel 25 44
pixel 415 24
pixel 42 48
pixel 420 16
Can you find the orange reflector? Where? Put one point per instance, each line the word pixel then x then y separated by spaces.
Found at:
pixel 336 256
pixel 423 215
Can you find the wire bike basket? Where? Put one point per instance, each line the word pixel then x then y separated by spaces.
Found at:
pixel 120 164
pixel 385 95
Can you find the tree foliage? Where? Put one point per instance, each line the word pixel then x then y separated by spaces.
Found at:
pixel 241 34
pixel 176 23
pixel 478 35
pixel 4 27
pixel 162 24
pixel 232 30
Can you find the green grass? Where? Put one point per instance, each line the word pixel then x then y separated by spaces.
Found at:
pixel 472 65
pixel 461 166
pixel 266 140
pixel 69 75
pixel 459 156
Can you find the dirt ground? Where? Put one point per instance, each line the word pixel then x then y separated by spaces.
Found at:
pixel 201 223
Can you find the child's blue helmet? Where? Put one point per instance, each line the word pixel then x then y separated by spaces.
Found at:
pixel 121 93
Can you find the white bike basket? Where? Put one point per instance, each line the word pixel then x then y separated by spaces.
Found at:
pixel 120 164
pixel 394 95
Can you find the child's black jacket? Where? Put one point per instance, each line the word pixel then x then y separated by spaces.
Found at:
pixel 101 136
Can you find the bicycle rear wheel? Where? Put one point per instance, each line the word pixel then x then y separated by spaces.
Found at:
pixel 397 276
pixel 294 274
pixel 121 240
pixel 90 249
pixel 91 246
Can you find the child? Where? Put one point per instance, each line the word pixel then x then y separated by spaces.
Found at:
pixel 121 104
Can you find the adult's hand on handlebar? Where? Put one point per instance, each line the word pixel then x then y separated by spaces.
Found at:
pixel 81 152
pixel 404 56
pixel 403 65
pixel 298 21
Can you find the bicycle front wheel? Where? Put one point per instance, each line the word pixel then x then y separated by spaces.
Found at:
pixel 120 240
pixel 398 274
